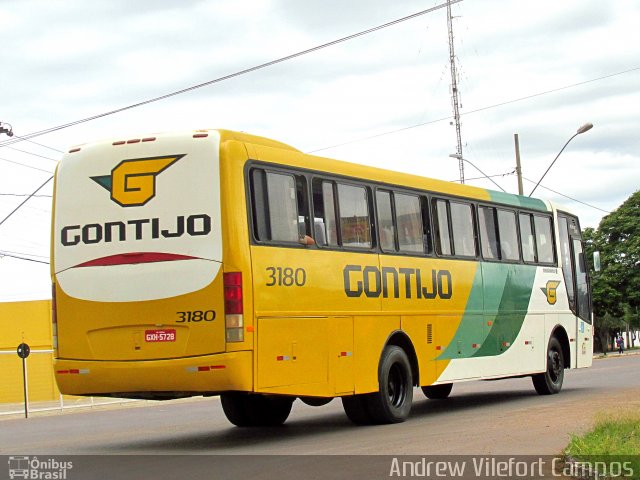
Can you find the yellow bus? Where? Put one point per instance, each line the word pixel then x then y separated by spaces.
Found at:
pixel 220 263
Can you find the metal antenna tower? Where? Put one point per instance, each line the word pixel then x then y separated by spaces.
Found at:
pixel 454 91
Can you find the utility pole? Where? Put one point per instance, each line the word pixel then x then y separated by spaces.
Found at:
pixel 454 91
pixel 518 167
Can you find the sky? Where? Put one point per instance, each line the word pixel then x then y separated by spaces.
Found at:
pixel 539 69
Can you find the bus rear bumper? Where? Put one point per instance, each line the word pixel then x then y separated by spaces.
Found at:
pixel 169 378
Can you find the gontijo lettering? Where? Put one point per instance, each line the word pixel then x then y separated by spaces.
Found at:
pixel 408 282
pixel 139 229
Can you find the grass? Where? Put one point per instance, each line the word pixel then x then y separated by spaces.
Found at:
pixel 614 440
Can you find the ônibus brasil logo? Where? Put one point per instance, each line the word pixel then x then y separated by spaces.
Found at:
pixel 132 183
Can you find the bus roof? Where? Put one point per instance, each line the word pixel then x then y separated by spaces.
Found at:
pixel 299 159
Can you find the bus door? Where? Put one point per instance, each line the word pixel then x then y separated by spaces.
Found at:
pixel 577 282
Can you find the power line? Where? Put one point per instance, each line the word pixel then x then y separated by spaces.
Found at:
pixel 25 200
pixel 3 254
pixel 39 144
pixel 31 153
pixel 24 254
pixel 495 105
pixel 512 172
pixel 24 195
pixel 25 165
pixel 229 76
pixel 567 196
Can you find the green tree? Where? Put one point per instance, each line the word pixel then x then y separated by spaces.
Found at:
pixel 621 234
pixel 616 288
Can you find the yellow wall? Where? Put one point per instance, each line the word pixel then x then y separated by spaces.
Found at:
pixel 28 322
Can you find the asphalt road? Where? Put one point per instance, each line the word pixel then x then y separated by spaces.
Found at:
pixel 502 417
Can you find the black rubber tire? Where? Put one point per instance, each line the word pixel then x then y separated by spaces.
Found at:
pixel 437 392
pixel 550 382
pixel 316 401
pixel 392 402
pixel 254 410
pixel 356 409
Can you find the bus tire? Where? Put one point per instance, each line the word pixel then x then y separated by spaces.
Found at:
pixel 355 406
pixel 254 410
pixel 392 402
pixel 437 392
pixel 550 381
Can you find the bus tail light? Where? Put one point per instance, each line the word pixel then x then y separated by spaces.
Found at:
pixel 234 320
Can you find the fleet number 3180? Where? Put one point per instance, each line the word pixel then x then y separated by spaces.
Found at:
pixel 286 277
pixel 196 316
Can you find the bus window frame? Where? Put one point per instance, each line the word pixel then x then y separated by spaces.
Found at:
pixel 534 239
pixel 434 198
pixel 394 225
pixel 425 220
pixel 250 169
pixel 474 226
pixel 370 215
pixel 554 252
pixel 573 305
pixel 427 199
pixel 494 209
pixel 549 216
pixel 516 212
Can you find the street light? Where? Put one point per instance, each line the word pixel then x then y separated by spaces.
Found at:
pixel 584 128
pixel 459 157
pixel 6 128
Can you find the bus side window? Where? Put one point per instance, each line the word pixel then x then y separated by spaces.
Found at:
pixel 582 287
pixel 426 225
pixel 276 198
pixel 442 234
pixel 507 229
pixel 324 213
pixel 409 221
pixel 488 232
pixel 355 221
pixel 385 224
pixel 527 240
pixel 544 239
pixel 565 254
pixel 464 243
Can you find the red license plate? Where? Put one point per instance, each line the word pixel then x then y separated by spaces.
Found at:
pixel 160 335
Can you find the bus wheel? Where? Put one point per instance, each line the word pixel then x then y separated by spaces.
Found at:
pixel 254 410
pixel 355 406
pixel 392 403
pixel 550 382
pixel 316 401
pixel 437 392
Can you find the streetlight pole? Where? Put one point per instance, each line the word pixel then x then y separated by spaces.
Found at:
pixel 584 128
pixel 459 157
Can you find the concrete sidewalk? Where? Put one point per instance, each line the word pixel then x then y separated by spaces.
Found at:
pixel 70 404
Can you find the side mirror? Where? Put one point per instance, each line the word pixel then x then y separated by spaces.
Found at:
pixel 596 261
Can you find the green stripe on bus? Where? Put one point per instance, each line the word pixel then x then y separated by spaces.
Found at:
pixel 493 318
pixel 518 201
pixel 470 330
pixel 516 284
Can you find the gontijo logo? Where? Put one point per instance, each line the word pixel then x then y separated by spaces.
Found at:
pixel 550 291
pixel 132 183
